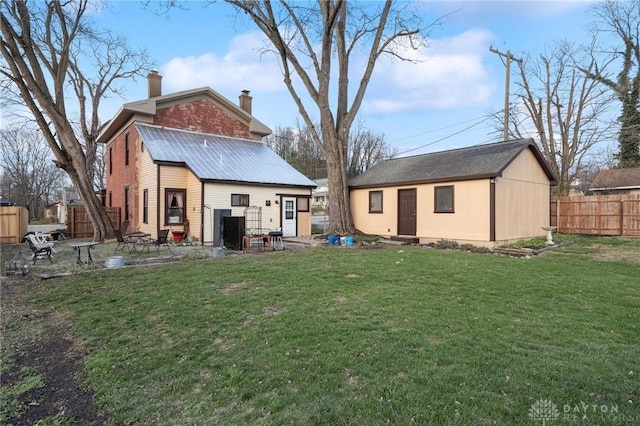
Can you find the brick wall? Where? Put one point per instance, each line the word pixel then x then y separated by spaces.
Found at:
pixel 201 116
pixel 122 176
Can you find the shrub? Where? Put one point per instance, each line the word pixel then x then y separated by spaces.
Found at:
pixel 447 244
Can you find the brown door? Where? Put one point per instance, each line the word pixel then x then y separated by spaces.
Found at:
pixel 407 212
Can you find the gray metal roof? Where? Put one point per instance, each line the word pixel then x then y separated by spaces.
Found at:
pixel 219 158
pixel 476 162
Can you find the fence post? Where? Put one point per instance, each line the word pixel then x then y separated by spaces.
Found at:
pixel 558 215
pixel 621 216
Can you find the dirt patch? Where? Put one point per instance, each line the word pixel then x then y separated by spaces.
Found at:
pixel 44 364
pixel 616 254
pixel 233 287
pixel 271 311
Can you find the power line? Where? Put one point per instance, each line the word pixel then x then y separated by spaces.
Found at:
pixel 435 130
pixel 447 137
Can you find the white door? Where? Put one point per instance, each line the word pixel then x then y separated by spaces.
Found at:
pixel 289 216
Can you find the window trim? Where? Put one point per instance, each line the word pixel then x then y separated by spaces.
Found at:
pixel 145 206
pixel 298 208
pixel 371 210
pixel 167 205
pixel 126 149
pixel 126 202
pixel 239 202
pixel 110 160
pixel 436 192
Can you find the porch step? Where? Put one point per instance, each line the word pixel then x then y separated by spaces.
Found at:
pixel 399 240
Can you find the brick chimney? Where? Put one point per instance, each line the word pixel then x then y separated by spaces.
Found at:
pixel 155 84
pixel 245 101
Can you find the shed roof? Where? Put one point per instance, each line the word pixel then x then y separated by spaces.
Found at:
pixel 617 179
pixel 220 158
pixel 476 162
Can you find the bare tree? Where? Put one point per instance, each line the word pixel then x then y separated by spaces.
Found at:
pixel 565 109
pixel 366 149
pixel 282 141
pixel 622 20
pixel 29 175
pixel 46 47
pixel 316 42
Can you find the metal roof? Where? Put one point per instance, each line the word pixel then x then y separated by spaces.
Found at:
pixel 476 162
pixel 220 158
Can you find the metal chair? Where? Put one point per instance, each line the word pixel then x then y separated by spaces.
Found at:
pixel 124 228
pixel 122 240
pixel 162 240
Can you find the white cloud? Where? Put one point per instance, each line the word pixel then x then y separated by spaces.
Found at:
pixel 242 68
pixel 450 74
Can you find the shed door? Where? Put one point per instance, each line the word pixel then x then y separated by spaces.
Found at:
pixel 407 212
pixel 289 216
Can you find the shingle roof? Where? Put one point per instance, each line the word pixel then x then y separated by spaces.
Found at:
pixel 617 179
pixel 219 158
pixel 476 162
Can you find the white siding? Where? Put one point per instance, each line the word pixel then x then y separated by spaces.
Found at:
pixel 218 196
pixel 148 180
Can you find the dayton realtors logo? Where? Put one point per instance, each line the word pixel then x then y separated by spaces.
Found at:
pixel 544 410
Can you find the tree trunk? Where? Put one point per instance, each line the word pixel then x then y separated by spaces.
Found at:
pixel 340 220
pixel 102 227
pixel 82 181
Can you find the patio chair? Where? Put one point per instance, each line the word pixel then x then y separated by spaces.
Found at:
pixel 123 241
pixel 124 228
pixel 162 240
pixel 39 251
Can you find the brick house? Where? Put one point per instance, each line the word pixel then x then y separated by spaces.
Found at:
pixel 167 151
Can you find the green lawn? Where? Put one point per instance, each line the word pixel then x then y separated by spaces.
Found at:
pixel 360 337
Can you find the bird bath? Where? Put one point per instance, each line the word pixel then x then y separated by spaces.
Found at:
pixel 549 230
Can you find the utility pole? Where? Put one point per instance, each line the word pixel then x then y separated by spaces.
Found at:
pixel 509 57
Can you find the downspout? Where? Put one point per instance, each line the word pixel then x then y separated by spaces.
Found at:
pixel 202 213
pixel 158 202
pixel 492 209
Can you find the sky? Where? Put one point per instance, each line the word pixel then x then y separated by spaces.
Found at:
pixel 440 103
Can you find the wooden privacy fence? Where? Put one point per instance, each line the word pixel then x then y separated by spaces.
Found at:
pixel 13 224
pixel 79 225
pixel 597 214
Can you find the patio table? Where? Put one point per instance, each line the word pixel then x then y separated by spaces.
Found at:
pixel 78 248
pixel 140 238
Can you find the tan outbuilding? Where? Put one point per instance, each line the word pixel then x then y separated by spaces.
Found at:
pixel 485 195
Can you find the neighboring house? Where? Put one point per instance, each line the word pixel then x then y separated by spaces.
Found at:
pixel 484 195
pixel 617 181
pixel 58 210
pixel 320 195
pixel 184 161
